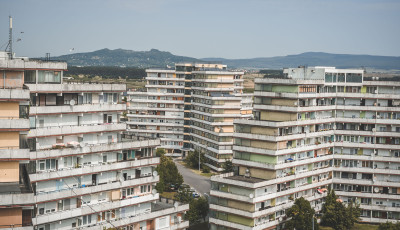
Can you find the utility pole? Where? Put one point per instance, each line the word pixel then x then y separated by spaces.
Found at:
pixel 313 222
pixel 199 161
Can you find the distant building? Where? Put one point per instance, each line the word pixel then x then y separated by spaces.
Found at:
pixel 63 160
pixel 314 129
pixel 191 107
pixel 158 112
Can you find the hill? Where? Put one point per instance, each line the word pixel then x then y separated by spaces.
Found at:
pixel 315 59
pixel 121 57
pixel 156 58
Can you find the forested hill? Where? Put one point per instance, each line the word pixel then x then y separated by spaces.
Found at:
pixel 156 58
pixel 128 58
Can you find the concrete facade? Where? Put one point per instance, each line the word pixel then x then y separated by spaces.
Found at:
pixel 317 128
pixel 75 169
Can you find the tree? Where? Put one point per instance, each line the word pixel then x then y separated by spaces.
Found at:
pixel 184 196
pixel 336 215
pixel 192 159
pixel 206 169
pixel 198 209
pixel 202 207
pixel 168 173
pixel 389 226
pixel 160 152
pixel 228 166
pixel 301 215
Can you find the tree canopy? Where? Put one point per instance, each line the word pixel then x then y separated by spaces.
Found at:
pixel 301 215
pixel 168 173
pixel 389 226
pixel 336 215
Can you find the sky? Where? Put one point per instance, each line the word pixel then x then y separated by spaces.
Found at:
pixel 203 28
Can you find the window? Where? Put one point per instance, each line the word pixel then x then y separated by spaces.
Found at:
pixel 87 219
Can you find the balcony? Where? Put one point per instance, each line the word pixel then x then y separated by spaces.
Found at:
pixel 14 124
pixel 42 110
pixel 92 169
pixel 97 148
pixel 85 210
pixel 76 87
pixel 294 163
pixel 20 199
pixel 243 227
pixel 14 153
pixel 15 227
pixel 254 183
pixel 81 191
pixel 76 129
pixel 367 195
pixel 18 94
pixel 145 216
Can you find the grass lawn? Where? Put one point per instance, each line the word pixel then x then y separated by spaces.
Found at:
pixel 196 171
pixel 356 227
pixel 169 195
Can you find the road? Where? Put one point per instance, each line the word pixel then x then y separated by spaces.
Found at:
pixel 200 183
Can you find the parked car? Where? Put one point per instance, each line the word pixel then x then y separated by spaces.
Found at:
pixel 195 195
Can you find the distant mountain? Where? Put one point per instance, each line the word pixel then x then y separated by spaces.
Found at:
pixel 121 57
pixel 315 59
pixel 156 58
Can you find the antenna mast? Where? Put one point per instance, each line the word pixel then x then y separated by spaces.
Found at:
pixel 9 46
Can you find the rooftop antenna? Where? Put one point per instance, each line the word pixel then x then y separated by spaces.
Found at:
pixel 9 46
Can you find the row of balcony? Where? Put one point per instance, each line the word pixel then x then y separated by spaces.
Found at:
pixel 76 129
pixel 85 108
pixel 71 87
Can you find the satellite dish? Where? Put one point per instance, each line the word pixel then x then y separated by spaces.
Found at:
pixel 280 219
pixel 72 102
pixel 155 173
pixel 176 204
pixel 376 189
pixel 251 195
pixel 154 191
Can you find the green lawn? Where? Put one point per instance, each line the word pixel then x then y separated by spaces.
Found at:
pixel 356 227
pixel 196 170
pixel 169 195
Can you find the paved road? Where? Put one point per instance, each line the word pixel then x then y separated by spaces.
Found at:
pixel 200 183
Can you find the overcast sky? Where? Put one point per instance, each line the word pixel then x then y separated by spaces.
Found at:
pixel 204 28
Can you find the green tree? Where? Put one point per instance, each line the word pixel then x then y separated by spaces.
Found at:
pixel 206 169
pixel 184 196
pixel 336 215
pixel 301 215
pixel 202 207
pixel 160 152
pixel 168 173
pixel 192 159
pixel 389 226
pixel 198 210
pixel 228 166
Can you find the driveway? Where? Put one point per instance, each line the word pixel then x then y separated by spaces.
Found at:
pixel 200 183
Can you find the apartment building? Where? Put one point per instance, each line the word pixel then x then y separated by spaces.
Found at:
pixel 158 112
pixel 16 204
pixel 79 170
pixel 217 99
pixel 173 109
pixel 317 128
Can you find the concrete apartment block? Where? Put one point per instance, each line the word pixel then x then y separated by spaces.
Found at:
pixel 64 162
pixel 314 129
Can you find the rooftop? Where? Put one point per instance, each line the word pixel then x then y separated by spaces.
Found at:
pixel 245 179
